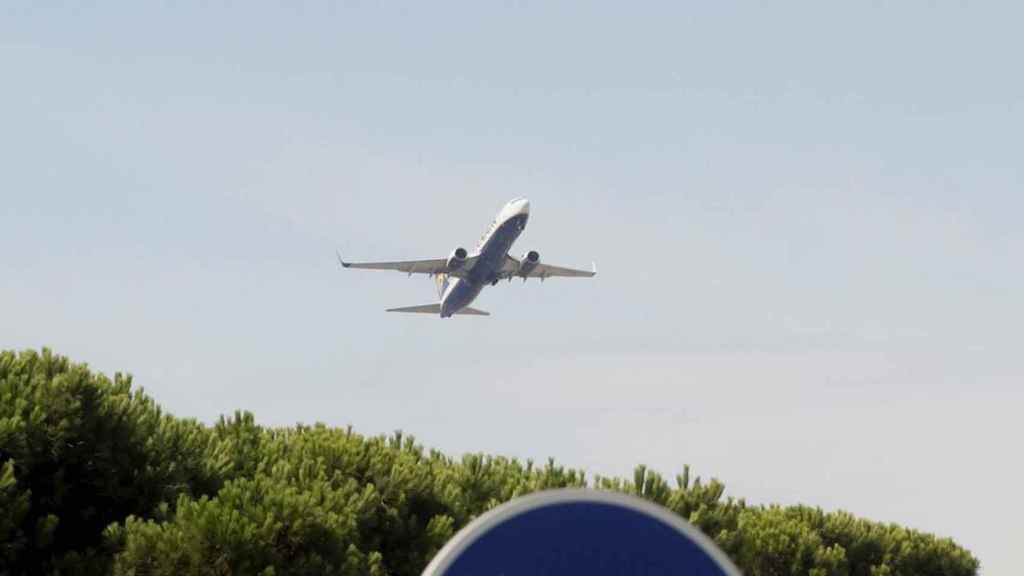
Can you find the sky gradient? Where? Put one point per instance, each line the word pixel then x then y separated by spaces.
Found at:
pixel 806 218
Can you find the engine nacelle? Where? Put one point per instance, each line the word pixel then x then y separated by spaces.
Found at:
pixel 528 263
pixel 457 259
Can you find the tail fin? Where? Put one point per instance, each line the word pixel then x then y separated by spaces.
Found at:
pixel 436 309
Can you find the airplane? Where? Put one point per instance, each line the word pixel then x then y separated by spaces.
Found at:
pixel 462 276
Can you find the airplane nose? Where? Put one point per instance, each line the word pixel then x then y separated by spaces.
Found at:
pixel 524 206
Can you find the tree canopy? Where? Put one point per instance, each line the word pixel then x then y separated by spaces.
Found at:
pixel 96 479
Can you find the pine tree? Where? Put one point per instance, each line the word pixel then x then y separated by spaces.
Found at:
pixel 95 479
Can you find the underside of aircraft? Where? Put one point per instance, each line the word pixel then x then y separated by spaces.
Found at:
pixel 462 276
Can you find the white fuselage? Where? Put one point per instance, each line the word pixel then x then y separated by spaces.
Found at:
pixel 457 293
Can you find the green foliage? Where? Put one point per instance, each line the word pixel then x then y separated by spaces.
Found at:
pixel 88 451
pixel 94 479
pixel 14 506
pixel 287 521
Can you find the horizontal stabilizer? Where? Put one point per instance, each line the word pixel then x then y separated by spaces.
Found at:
pixel 436 309
pixel 424 309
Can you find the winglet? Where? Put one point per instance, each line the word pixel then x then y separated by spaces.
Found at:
pixel 594 266
pixel 342 262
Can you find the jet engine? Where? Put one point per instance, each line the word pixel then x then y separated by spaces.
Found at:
pixel 528 263
pixel 457 259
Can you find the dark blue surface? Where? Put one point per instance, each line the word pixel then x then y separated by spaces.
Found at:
pixel 488 265
pixel 583 538
pixel 492 254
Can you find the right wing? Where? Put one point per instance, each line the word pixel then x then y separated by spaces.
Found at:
pixel 511 269
pixel 547 271
pixel 431 267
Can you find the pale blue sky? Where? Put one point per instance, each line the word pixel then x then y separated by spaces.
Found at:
pixel 807 219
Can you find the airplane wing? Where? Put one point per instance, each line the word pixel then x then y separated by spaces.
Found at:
pixel 511 269
pixel 547 271
pixel 431 267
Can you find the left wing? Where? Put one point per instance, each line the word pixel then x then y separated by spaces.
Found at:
pixel 513 268
pixel 431 267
